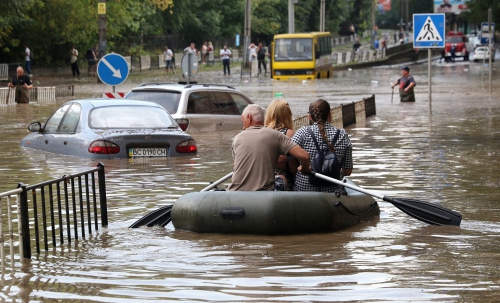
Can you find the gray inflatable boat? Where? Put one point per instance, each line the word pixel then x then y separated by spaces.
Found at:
pixel 271 212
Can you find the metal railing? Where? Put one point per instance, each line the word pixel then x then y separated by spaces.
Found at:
pixel 344 114
pixel 38 94
pixel 10 235
pixel 62 210
pixel 4 72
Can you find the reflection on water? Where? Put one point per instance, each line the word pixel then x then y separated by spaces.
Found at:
pixel 446 153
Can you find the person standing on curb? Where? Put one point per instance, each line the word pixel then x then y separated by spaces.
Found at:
pixel 27 58
pixel 73 56
pixel 261 58
pixel 191 49
pixel 406 84
pixel 168 59
pixel 225 56
pixel 22 83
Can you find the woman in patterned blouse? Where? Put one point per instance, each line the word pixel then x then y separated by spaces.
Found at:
pixel 320 115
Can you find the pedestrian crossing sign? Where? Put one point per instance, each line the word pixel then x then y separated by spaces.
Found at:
pixel 428 30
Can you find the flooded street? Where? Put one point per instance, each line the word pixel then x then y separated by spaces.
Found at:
pixel 446 152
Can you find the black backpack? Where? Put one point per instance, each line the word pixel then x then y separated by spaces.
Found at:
pixel 89 55
pixel 324 162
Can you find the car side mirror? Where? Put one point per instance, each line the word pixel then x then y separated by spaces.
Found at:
pixel 35 127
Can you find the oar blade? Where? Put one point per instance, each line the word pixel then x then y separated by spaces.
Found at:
pixel 426 212
pixel 160 217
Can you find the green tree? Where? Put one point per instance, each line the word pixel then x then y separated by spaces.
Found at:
pixel 478 11
pixel 202 20
pixel 14 15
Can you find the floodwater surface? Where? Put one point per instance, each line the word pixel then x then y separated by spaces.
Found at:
pixel 444 152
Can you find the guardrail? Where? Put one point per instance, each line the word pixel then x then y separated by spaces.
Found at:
pixel 4 72
pixel 360 56
pixel 345 114
pixel 38 94
pixel 9 205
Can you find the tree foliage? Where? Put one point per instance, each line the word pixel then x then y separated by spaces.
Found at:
pixel 14 16
pixel 51 27
pixel 478 11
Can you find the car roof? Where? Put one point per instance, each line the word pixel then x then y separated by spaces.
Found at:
pixel 102 102
pixel 181 86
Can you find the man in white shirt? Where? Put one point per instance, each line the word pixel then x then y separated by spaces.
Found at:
pixel 27 58
pixel 191 49
pixel 73 58
pixel 225 55
pixel 168 59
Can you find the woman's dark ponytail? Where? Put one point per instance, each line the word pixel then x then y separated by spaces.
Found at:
pixel 319 112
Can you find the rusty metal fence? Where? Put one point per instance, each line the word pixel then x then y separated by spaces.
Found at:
pixel 345 114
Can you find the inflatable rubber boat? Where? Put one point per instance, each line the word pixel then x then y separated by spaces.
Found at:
pixel 271 212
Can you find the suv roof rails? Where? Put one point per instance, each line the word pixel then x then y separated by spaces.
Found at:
pixel 188 85
pixel 208 85
pixel 155 83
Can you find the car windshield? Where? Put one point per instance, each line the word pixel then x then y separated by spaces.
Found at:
pixel 293 49
pixel 454 39
pixel 126 117
pixel 168 99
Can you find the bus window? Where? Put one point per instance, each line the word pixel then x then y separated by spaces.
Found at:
pixel 293 49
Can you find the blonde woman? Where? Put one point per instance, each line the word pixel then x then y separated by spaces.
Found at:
pixel 279 117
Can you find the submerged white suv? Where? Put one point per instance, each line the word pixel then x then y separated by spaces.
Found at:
pixel 196 107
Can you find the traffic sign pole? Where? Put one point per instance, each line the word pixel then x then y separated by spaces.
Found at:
pixel 489 44
pixel 429 32
pixel 429 74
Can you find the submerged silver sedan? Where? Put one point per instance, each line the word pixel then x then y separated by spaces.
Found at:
pixel 108 129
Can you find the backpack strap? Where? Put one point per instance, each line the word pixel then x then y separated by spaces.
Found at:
pixel 313 137
pixel 335 138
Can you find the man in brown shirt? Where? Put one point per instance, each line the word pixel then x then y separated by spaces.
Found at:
pixel 256 150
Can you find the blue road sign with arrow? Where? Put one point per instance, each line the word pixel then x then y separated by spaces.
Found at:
pixel 486 34
pixel 429 30
pixel 112 69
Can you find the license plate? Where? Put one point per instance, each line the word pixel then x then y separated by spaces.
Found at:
pixel 147 152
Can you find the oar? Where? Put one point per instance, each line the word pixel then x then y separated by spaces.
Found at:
pixel 420 210
pixel 162 216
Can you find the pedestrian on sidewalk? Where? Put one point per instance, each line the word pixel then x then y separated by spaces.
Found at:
pixel 167 55
pixel 356 45
pixel 261 58
pixel 27 58
pixel 225 55
pixel 191 49
pixel 406 84
pixel 73 56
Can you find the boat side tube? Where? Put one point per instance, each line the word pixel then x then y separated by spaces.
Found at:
pixel 271 212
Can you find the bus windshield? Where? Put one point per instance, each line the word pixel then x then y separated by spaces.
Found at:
pixel 293 49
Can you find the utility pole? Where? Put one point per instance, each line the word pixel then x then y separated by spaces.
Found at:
pixel 401 16
pixel 373 26
pixel 407 16
pixel 291 16
pixel 247 31
pixel 101 12
pixel 322 16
